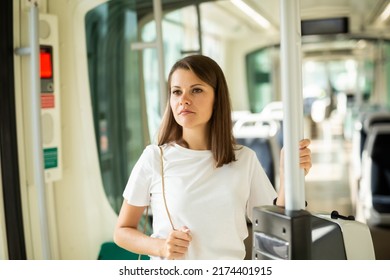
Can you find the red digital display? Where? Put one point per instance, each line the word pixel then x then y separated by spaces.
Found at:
pixel 46 65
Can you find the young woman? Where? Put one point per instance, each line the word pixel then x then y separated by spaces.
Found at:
pixel 211 184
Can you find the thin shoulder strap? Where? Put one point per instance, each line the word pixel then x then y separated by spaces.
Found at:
pixel 163 187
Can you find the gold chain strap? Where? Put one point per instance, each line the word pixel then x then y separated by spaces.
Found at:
pixel 165 200
pixel 163 187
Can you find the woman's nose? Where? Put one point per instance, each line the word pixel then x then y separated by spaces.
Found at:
pixel 185 100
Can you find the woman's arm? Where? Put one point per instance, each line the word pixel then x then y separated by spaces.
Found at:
pixel 127 236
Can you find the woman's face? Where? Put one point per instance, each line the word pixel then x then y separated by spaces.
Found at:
pixel 191 100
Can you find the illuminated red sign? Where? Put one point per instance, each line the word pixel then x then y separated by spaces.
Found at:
pixel 46 65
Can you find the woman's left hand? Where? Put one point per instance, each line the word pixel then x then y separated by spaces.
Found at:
pixel 305 155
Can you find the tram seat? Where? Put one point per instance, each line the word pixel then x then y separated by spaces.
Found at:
pixel 374 190
pixel 260 135
pixel 236 115
pixel 110 251
pixel 362 128
pixel 370 120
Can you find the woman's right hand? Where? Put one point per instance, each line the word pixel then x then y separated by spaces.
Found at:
pixel 177 243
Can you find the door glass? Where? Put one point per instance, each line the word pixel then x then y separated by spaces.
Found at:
pixel 115 93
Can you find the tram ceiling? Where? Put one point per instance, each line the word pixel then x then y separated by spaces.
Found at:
pixel 363 16
pixel 226 20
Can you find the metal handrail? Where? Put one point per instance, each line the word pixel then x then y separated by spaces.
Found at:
pixel 291 74
pixel 36 127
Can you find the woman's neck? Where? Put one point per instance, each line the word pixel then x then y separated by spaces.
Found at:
pixel 196 140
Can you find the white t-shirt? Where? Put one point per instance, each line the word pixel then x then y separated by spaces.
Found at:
pixel 212 202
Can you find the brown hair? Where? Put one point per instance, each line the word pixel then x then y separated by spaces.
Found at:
pixel 221 140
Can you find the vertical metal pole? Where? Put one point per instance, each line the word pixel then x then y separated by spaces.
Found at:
pixel 36 128
pixel 291 74
pixel 199 22
pixel 157 10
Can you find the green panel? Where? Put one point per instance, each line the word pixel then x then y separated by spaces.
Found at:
pixel 50 156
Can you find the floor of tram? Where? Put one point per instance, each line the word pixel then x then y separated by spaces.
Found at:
pixel 328 185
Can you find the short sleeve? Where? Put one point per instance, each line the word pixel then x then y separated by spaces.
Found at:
pixel 137 191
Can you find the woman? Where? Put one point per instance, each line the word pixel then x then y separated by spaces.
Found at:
pixel 211 184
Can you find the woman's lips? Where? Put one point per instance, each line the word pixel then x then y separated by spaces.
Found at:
pixel 186 112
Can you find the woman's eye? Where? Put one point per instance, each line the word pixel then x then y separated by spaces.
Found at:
pixel 176 92
pixel 197 90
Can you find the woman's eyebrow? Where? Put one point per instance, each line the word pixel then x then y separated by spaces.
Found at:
pixel 197 85
pixel 191 86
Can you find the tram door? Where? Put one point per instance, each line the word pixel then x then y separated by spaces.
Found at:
pixel 67 214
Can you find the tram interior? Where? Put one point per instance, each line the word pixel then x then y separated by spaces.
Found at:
pixel 113 103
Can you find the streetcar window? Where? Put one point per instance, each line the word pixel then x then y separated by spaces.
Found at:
pixel 183 24
pixel 115 93
pixel 387 69
pixel 259 71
